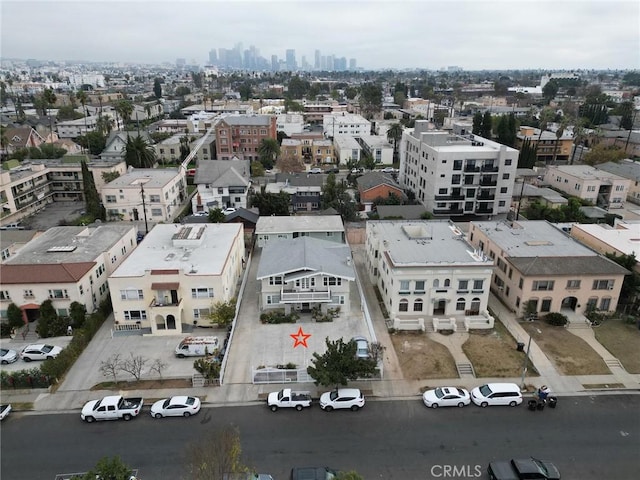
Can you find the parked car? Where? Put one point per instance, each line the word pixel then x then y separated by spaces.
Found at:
pixel 112 407
pixel 287 398
pixel 197 346
pixel 332 170
pixel 8 356
pixel 497 394
pixel 388 170
pixel 229 210
pixel 523 468
pixel 39 352
pixel 362 344
pixel 4 411
pixel 315 170
pixel 357 170
pixel 446 397
pixel 179 406
pixel 342 398
pixel 313 473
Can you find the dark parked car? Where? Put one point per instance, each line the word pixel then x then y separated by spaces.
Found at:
pixel 313 473
pixel 523 469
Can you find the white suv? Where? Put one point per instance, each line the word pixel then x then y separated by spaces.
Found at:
pixel 342 398
pixel 497 394
pixel 39 352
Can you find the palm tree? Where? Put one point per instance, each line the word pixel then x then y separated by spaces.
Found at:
pixel 105 124
pixel 49 99
pixel 393 135
pixel 268 151
pixel 138 153
pixel 124 108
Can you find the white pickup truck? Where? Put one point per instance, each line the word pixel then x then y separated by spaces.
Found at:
pixel 286 398
pixel 113 407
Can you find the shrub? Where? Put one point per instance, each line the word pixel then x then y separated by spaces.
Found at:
pixel 5 329
pixel 278 316
pixel 557 319
pixel 33 378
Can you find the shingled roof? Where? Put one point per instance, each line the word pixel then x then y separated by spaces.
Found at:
pixel 44 273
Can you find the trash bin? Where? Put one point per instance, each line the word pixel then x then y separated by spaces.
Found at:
pixel 553 401
pixel 540 405
pixel 520 346
pixel 532 404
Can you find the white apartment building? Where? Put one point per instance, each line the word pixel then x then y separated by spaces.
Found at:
pixel 221 184
pixel 378 147
pixel 176 275
pixel 290 123
pixel 65 265
pixel 454 175
pixel 346 148
pixel 427 272
pixel 345 124
pixel 75 128
pixel 601 188
pixel 164 191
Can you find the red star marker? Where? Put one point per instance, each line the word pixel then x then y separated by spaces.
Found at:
pixel 300 338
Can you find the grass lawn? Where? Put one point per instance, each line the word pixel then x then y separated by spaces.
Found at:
pixel 622 340
pixel 570 355
pixel 493 353
pixel 421 357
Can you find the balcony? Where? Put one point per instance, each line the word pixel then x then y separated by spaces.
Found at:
pixel 485 209
pixel 488 182
pixel 489 168
pixel 448 211
pixel 292 296
pixel 471 168
pixel 486 196
pixel 440 198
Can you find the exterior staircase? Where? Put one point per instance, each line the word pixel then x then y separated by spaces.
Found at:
pixel 465 370
pixel 613 363
pixel 26 334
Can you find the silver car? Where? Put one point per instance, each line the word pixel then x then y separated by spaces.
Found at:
pixel 8 356
pixel 362 347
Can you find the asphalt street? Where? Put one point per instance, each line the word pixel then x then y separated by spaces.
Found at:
pixel 586 437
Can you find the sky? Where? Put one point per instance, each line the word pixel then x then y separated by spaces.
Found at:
pixel 429 34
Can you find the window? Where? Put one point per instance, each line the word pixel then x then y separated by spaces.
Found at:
pixel 503 189
pixel 442 191
pixel 457 164
pixel 461 304
pixel 603 285
pixel 605 303
pixel 573 283
pixel 110 198
pixel 199 313
pixel 275 280
pixel 591 303
pixel 131 294
pixel 417 305
pixel 404 286
pixel 505 176
pixel 202 292
pixel 331 281
pixel 447 282
pixel 507 162
pixel 29 293
pixel 156 212
pixel 419 286
pixel 455 179
pixel 154 198
pixel 545 306
pixel 63 312
pixel 520 283
pixel 463 286
pixel 478 284
pixel 4 295
pixel 135 314
pixel 404 305
pixel 543 285
pixel 58 294
pixel 501 203
pixel 475 306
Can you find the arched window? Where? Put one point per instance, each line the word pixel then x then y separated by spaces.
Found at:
pixel 447 282
pixel 417 305
pixel 461 304
pixel 436 283
pixel 404 305
pixel 475 306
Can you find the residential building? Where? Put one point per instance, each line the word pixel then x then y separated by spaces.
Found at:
pixel 375 185
pixel 541 268
pixel 599 187
pixel 172 126
pixel 221 184
pixel 401 212
pixel 145 194
pixel 323 227
pixel 628 169
pixel 168 150
pixel 299 274
pixel 21 137
pixel 175 277
pixel 454 175
pixel 425 271
pixel 377 147
pixel 305 190
pixel 65 265
pixel 322 152
pixel 147 111
pixel 11 241
pixel 291 149
pixel 116 144
pixel 343 123
pixel 307 140
pixel 621 239
pixel 75 128
pixel 547 144
pixel 346 149
pixel 290 123
pixel 241 135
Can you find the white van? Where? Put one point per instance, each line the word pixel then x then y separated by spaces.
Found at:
pixel 196 346
pixel 497 394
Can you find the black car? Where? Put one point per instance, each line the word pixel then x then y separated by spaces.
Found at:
pixel 313 473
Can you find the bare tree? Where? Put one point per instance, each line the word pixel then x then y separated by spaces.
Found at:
pixel 158 366
pixel 376 349
pixel 215 456
pixel 111 366
pixel 134 365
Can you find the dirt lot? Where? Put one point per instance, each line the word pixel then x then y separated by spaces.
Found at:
pixel 623 341
pixel 145 384
pixel 422 358
pixel 493 353
pixel 570 355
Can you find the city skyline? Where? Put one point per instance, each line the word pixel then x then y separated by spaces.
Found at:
pixel 474 35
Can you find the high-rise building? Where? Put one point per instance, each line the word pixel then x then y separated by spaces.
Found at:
pixel 291 59
pixel 274 63
pixel 180 62
pixel 352 64
pixel 316 63
pixel 213 57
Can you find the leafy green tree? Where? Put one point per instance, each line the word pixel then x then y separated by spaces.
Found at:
pixel 477 123
pixel 268 151
pixel 104 125
pixel 91 196
pixel 222 313
pixel 49 150
pixel 298 87
pixel 138 153
pixel 216 215
pixel 550 90
pixel 124 108
pixel 631 283
pixel 68 112
pixel 486 127
pixel 94 142
pixel 271 203
pixel 157 87
pixel 368 162
pixel 603 154
pixel 108 468
pixel 339 364
pixel 394 135
pixel 370 99
pixel 78 314
pixel 185 148
pixel 245 90
pixel 49 324
pixel 335 195
pixel 625 110
pixel 14 316
pixel 350 92
pixel 182 91
pixel 257 169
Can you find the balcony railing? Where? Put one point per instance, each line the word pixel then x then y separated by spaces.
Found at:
pixel 162 303
pixel 448 211
pixel 489 168
pixel 488 182
pixel 484 210
pixel 486 196
pixel 471 168
pixel 449 197
pixel 291 296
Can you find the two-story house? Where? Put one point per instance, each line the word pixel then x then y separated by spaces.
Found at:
pixel 323 227
pixel 116 144
pixel 221 184
pixel 305 190
pixel 374 185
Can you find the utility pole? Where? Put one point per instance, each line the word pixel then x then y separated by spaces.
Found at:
pixel 144 209
pixel 526 359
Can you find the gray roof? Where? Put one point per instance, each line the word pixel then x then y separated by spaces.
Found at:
pixel 373 179
pixel 158 178
pixel 12 237
pixel 299 223
pixel 408 212
pixel 88 243
pixel 223 173
pixel 257 120
pixel 125 134
pixel 250 214
pixel 625 168
pixel 588 265
pixel 300 179
pixel 309 254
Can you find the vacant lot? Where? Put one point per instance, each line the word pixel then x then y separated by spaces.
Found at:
pixel 570 355
pixel 422 358
pixel 623 341
pixel 493 353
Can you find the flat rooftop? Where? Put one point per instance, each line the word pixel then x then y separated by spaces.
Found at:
pixel 624 237
pixel 301 223
pixel 417 243
pixel 149 177
pixel 200 248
